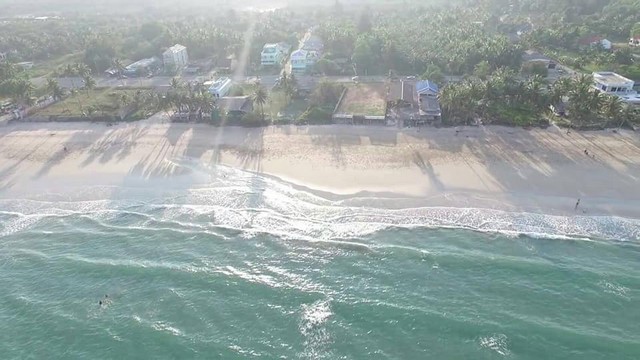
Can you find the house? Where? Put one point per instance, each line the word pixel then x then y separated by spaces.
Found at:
pixel 428 104
pixel 142 67
pixel 25 65
pixel 303 60
pixel 617 85
pixel 634 41
pixel 235 105
pixel 175 57
pixel 532 56
pixel 273 54
pixel 219 88
pixel 596 41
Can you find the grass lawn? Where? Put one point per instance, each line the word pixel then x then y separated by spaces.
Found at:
pixel 47 67
pixel 103 102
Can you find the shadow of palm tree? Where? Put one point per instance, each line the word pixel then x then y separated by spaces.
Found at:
pixel 427 169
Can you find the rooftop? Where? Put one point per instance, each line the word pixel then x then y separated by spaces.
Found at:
pixel 610 78
pixel 141 63
pixel 426 85
pixel 218 83
pixel 532 55
pixel 176 48
pixel 235 103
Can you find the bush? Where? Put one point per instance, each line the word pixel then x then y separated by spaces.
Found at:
pixel 236 90
pixel 316 116
pixel 252 120
pixel 536 68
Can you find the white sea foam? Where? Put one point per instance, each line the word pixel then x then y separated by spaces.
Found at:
pixel 251 204
pixel 496 342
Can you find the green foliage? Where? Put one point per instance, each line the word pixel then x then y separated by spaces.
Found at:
pixel 482 69
pixel 326 94
pixel 260 97
pixel 635 30
pixel 536 68
pixel 252 120
pixel 501 98
pixel 434 73
pixel 315 115
pixel 99 54
pixel 151 30
pixel 236 90
pixel 328 67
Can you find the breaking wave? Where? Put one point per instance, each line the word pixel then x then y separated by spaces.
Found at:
pixel 232 200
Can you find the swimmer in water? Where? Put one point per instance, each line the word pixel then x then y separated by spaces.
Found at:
pixel 100 302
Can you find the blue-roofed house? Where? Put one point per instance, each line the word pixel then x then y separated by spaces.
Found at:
pixel 427 96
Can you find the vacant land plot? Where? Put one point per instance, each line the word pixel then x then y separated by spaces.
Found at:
pixel 364 99
pixel 97 102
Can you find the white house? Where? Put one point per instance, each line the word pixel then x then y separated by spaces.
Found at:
pixel 273 54
pixel 303 60
pixel 617 85
pixel 176 56
pixel 220 87
pixel 634 41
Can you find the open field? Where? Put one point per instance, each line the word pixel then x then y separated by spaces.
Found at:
pixel 101 101
pixel 364 99
pixel 46 68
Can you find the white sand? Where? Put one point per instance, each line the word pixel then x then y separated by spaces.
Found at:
pixel 488 167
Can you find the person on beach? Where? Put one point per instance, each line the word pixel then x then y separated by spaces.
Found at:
pixel 577 204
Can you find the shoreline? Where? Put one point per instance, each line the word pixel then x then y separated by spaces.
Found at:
pixel 536 171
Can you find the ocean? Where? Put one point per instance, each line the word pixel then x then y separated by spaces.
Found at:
pixel 237 265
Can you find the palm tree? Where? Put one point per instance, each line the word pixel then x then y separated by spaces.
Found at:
pixel 260 98
pixel 612 107
pixel 82 70
pixel 54 89
pixel 176 84
pixel 89 83
pixel 118 66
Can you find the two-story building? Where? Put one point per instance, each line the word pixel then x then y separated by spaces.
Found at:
pixel 176 57
pixel 273 54
pixel 617 85
pixel 303 60
pixel 220 87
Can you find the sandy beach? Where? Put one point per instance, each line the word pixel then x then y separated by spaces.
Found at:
pixel 537 170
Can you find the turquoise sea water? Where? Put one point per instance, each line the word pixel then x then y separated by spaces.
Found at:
pixel 249 267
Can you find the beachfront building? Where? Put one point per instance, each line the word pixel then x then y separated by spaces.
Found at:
pixel 220 87
pixel 597 41
pixel 273 54
pixel 303 60
pixel 235 106
pixel 175 57
pixel 428 104
pixel 617 85
pixel 141 67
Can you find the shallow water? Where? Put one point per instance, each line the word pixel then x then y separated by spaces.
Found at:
pixel 246 266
